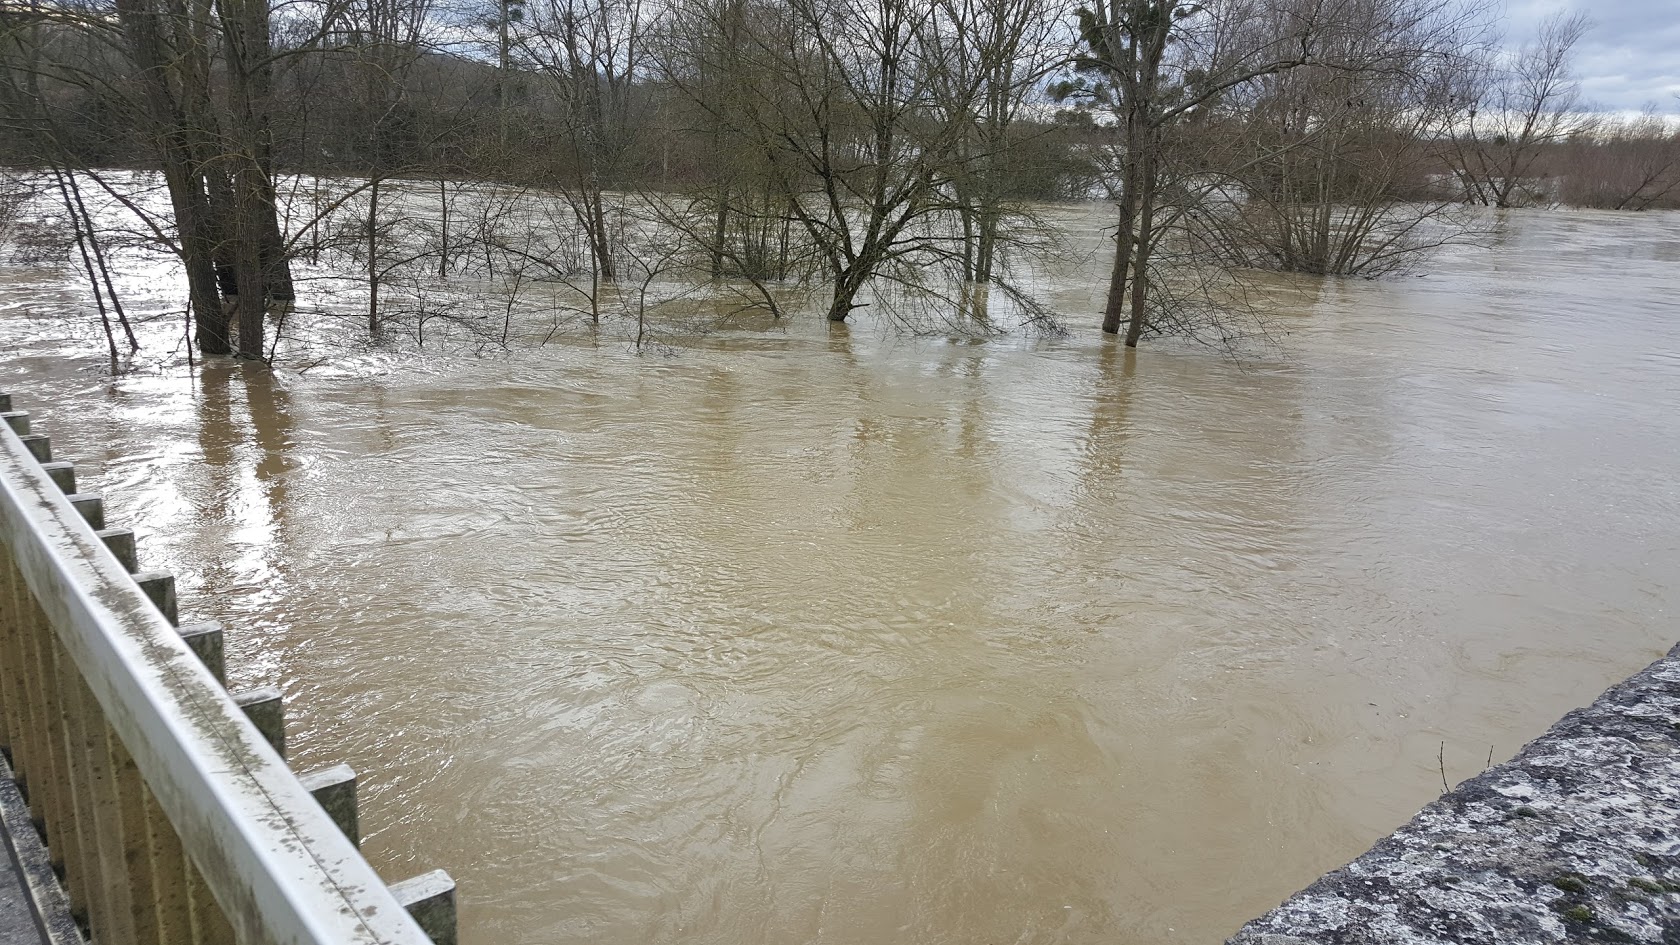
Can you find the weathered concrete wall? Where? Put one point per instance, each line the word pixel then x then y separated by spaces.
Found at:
pixel 1577 839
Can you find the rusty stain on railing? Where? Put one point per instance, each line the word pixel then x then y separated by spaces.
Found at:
pixel 166 807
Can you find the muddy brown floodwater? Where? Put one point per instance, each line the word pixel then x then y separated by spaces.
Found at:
pixel 855 639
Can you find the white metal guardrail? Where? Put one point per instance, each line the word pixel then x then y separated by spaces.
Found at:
pixel 165 804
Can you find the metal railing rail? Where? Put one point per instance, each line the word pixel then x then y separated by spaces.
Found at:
pixel 169 815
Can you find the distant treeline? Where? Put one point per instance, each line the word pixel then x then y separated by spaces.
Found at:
pixel 865 149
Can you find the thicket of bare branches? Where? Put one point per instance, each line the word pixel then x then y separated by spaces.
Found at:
pixel 1338 152
pixel 1276 134
pixel 1520 104
pixel 504 169
pixel 1625 164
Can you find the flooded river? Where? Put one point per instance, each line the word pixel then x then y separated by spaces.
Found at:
pixel 857 639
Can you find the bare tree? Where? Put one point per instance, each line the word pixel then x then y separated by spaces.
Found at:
pixel 1625 164
pixel 876 141
pixel 1334 179
pixel 594 56
pixel 1160 63
pixel 987 61
pixel 1524 103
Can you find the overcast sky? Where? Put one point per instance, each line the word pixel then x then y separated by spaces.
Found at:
pixel 1630 59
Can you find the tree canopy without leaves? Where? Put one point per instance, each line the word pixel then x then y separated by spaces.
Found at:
pixel 882 154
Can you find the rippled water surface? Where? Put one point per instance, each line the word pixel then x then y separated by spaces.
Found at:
pixel 856 639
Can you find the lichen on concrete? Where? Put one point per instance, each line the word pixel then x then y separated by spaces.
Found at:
pixel 1576 839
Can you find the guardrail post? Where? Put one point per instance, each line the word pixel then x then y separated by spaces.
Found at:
pixel 110 912
pixel 334 789
pixel 67 828
pixel 206 641
pixel 169 874
pixel 159 586
pixel 25 724
pixel 53 910
pixel 39 445
pixel 132 840
pixel 63 476
pixel 91 506
pixel 35 708
pixel 430 899
pixel 14 701
pixel 265 708
pixel 120 542
pixel 209 926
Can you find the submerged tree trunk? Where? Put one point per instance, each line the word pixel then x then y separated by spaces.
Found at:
pixel 1114 309
pixel 986 252
pixel 276 263
pixel 373 256
pixel 847 283
pixel 591 213
pixel 99 261
pixel 1139 139
pixel 720 233
pixel 192 223
pixel 172 84
pixel 250 268
pixel 443 229
pixel 1127 270
pixel 254 227
pixel 1140 259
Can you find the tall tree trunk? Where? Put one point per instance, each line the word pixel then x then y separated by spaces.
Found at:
pixel 175 125
pixel 250 269
pixel 970 261
pixel 847 283
pixel 1114 309
pixel 1140 258
pixel 254 228
pixel 276 262
pixel 373 256
pixel 600 240
pixel 443 230
pixel 192 223
pixel 720 232
pixel 985 263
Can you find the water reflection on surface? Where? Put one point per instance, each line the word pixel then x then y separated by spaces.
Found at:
pixel 843 638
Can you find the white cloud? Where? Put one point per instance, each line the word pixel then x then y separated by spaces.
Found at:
pixel 1629 60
